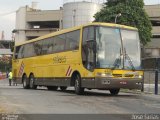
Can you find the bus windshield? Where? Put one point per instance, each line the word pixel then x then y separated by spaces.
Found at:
pixel 111 54
pixel 131 48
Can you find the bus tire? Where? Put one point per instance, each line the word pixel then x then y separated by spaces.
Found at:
pixel 114 91
pixel 78 89
pixel 25 82
pixel 52 87
pixel 63 88
pixel 32 82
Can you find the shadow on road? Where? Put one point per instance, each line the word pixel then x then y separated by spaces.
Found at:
pixel 100 93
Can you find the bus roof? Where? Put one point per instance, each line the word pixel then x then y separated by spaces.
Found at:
pixel 75 28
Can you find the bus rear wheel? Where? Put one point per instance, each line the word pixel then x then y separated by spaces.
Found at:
pixel 25 82
pixel 52 87
pixel 32 82
pixel 78 89
pixel 114 91
pixel 63 88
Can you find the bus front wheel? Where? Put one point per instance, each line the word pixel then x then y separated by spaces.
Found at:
pixel 78 89
pixel 114 91
pixel 25 82
pixel 32 82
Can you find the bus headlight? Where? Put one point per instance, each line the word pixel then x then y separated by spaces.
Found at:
pixel 103 75
pixel 138 76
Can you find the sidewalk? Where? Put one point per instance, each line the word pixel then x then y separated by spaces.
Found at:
pixel 150 88
pixel 151 97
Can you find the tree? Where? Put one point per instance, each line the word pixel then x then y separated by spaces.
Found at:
pixel 132 14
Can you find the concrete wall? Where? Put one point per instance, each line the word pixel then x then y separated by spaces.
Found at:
pixel 26 16
pixel 20 25
pixel 47 15
pixel 153 10
pixel 156 30
pixel 34 32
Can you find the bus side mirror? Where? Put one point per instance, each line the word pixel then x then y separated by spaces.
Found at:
pixel 92 44
pixel 12 49
pixel 16 55
pixel 90 40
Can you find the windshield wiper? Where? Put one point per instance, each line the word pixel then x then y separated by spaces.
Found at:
pixel 117 61
pixel 126 56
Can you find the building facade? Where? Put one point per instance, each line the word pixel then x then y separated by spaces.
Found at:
pixel 32 23
pixel 152 49
pixel 5 47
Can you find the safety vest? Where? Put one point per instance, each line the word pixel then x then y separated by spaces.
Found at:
pixel 10 75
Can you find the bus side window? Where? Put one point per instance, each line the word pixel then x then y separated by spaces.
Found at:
pixel 16 52
pixel 29 50
pixel 88 53
pixel 59 43
pixel 72 40
pixel 50 45
pixel 38 47
pixel 19 52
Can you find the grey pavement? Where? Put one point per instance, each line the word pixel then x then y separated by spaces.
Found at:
pixel 41 103
pixel 150 88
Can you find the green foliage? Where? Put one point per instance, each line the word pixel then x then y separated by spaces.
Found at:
pixel 132 14
pixel 12 46
pixel 5 63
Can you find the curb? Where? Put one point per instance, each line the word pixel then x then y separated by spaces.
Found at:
pixel 151 97
pixel 144 95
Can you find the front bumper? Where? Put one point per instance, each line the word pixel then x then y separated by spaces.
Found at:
pixel 113 83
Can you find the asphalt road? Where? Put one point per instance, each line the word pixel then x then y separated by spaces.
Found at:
pixel 93 104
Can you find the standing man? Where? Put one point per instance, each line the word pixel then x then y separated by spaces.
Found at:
pixel 10 78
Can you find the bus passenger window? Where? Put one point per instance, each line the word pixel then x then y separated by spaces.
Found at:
pixel 72 40
pixel 16 52
pixel 38 47
pixel 88 55
pixel 59 43
pixel 19 52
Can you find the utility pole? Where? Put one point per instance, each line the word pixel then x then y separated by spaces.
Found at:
pixel 118 15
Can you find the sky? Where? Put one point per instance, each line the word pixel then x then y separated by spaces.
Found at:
pixel 8 10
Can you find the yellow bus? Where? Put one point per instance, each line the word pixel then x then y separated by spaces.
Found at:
pixel 101 56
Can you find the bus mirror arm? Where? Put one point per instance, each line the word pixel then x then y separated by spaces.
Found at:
pixel 16 56
pixel 90 40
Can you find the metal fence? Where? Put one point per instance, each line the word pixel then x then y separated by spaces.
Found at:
pixel 149 81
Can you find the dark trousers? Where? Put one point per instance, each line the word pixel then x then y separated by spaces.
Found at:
pixel 10 82
pixel 14 82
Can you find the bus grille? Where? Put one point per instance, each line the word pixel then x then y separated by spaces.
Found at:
pixel 117 75
pixel 128 75
pixel 123 75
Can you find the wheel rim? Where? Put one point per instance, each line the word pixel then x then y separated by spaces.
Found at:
pixel 76 84
pixel 24 82
pixel 31 82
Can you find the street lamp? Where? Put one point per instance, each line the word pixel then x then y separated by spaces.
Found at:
pixel 118 15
